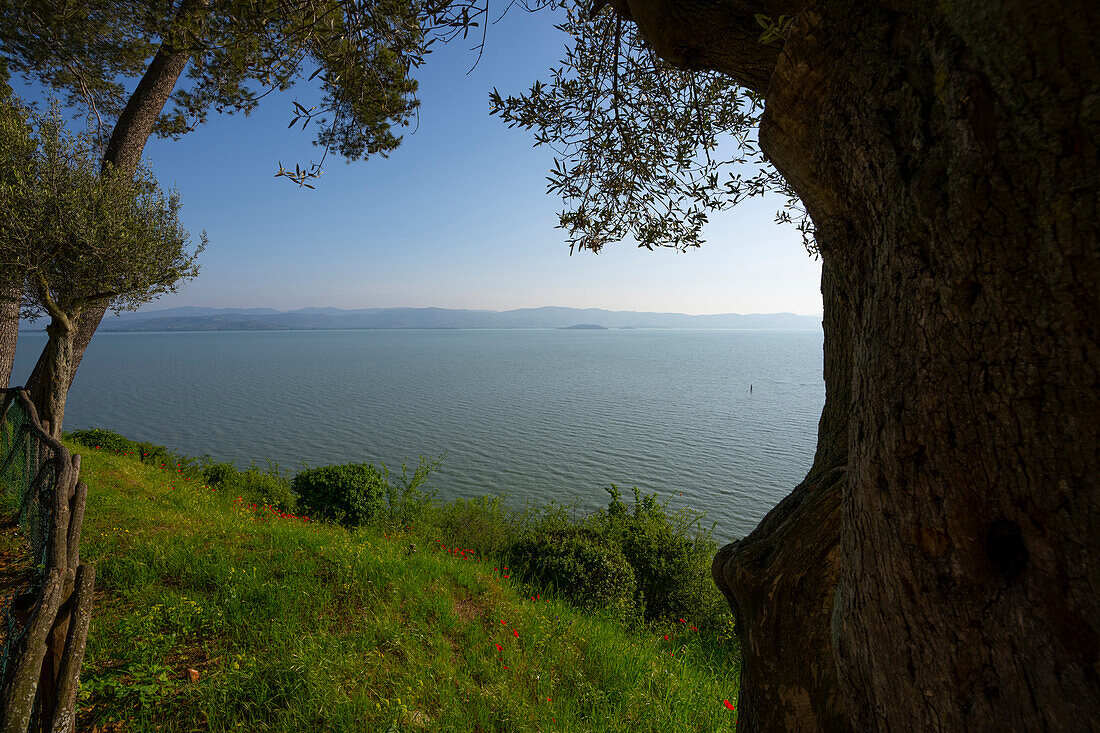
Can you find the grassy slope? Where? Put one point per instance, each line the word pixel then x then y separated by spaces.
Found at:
pixel 292 626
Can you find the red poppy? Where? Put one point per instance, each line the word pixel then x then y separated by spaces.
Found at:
pixel 515 633
pixel 502 622
pixel 682 621
pixel 500 648
pixel 666 637
pixel 729 706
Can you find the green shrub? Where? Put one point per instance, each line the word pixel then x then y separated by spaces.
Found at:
pixel 350 494
pixel 105 440
pixel 157 455
pixel 487 525
pixel 579 567
pixel 253 485
pixel 406 503
pixel 670 554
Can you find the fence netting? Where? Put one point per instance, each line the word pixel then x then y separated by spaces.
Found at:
pixel 29 471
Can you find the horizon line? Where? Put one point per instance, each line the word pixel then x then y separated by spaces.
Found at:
pixel 473 310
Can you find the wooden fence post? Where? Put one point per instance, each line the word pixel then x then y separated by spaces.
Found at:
pixel 44 671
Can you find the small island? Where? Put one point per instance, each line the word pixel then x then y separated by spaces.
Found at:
pixel 584 327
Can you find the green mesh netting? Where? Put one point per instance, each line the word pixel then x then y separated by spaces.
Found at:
pixel 28 479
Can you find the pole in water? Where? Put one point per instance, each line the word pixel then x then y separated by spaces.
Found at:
pixel 750 389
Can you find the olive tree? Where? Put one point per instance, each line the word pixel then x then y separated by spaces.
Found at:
pixel 77 240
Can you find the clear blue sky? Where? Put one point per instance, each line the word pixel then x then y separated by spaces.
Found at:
pixel 457 217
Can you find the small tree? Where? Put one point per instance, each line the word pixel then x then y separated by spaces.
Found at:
pixel 78 240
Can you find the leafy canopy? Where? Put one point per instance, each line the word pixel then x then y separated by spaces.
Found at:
pixel 359 54
pixel 643 150
pixel 75 237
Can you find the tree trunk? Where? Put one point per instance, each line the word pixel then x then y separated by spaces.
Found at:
pixel 122 156
pixel 961 145
pixel 10 298
pixel 781 579
pixel 52 388
pixel 956 143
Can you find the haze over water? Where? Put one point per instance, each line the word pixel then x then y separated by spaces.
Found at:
pixel 539 414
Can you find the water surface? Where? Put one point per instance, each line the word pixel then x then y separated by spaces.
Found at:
pixel 539 414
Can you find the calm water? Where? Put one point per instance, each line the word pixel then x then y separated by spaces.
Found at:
pixel 538 414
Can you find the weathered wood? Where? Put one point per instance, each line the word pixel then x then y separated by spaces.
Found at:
pixel 76 518
pixel 64 717
pixel 46 666
pixel 22 684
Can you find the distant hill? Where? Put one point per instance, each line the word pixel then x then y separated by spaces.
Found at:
pixel 268 319
pixel 584 327
pixel 200 323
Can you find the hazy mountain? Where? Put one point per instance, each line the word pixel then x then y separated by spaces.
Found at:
pixel 260 319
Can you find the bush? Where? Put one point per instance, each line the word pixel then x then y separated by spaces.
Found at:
pixel 253 485
pixel 157 455
pixel 487 525
pixel 580 567
pixel 104 440
pixel 351 494
pixel 406 503
pixel 670 555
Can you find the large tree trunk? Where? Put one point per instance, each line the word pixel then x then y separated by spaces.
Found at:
pixel 960 142
pixel 956 143
pixel 781 579
pixel 10 298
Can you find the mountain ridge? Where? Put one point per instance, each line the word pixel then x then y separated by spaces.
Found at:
pixel 192 318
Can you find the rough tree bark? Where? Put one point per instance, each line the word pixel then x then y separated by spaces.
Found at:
pixel 51 389
pixel 10 297
pixel 955 144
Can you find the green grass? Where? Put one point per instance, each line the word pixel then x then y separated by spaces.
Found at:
pixel 212 616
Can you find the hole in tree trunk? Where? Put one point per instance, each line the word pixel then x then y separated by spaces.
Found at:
pixel 1004 544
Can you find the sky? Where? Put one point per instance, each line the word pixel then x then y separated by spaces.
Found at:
pixel 457 217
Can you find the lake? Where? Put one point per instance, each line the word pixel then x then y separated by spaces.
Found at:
pixel 538 414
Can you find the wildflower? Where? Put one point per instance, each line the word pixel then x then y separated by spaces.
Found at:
pixel 502 622
pixel 694 629
pixel 506 576
pixel 729 706
pixel 682 621
pixel 500 648
pixel 515 633
pixel 666 637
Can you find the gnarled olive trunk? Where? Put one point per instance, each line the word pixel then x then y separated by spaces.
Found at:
pixel 959 143
pixel 955 144
pixel 51 390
